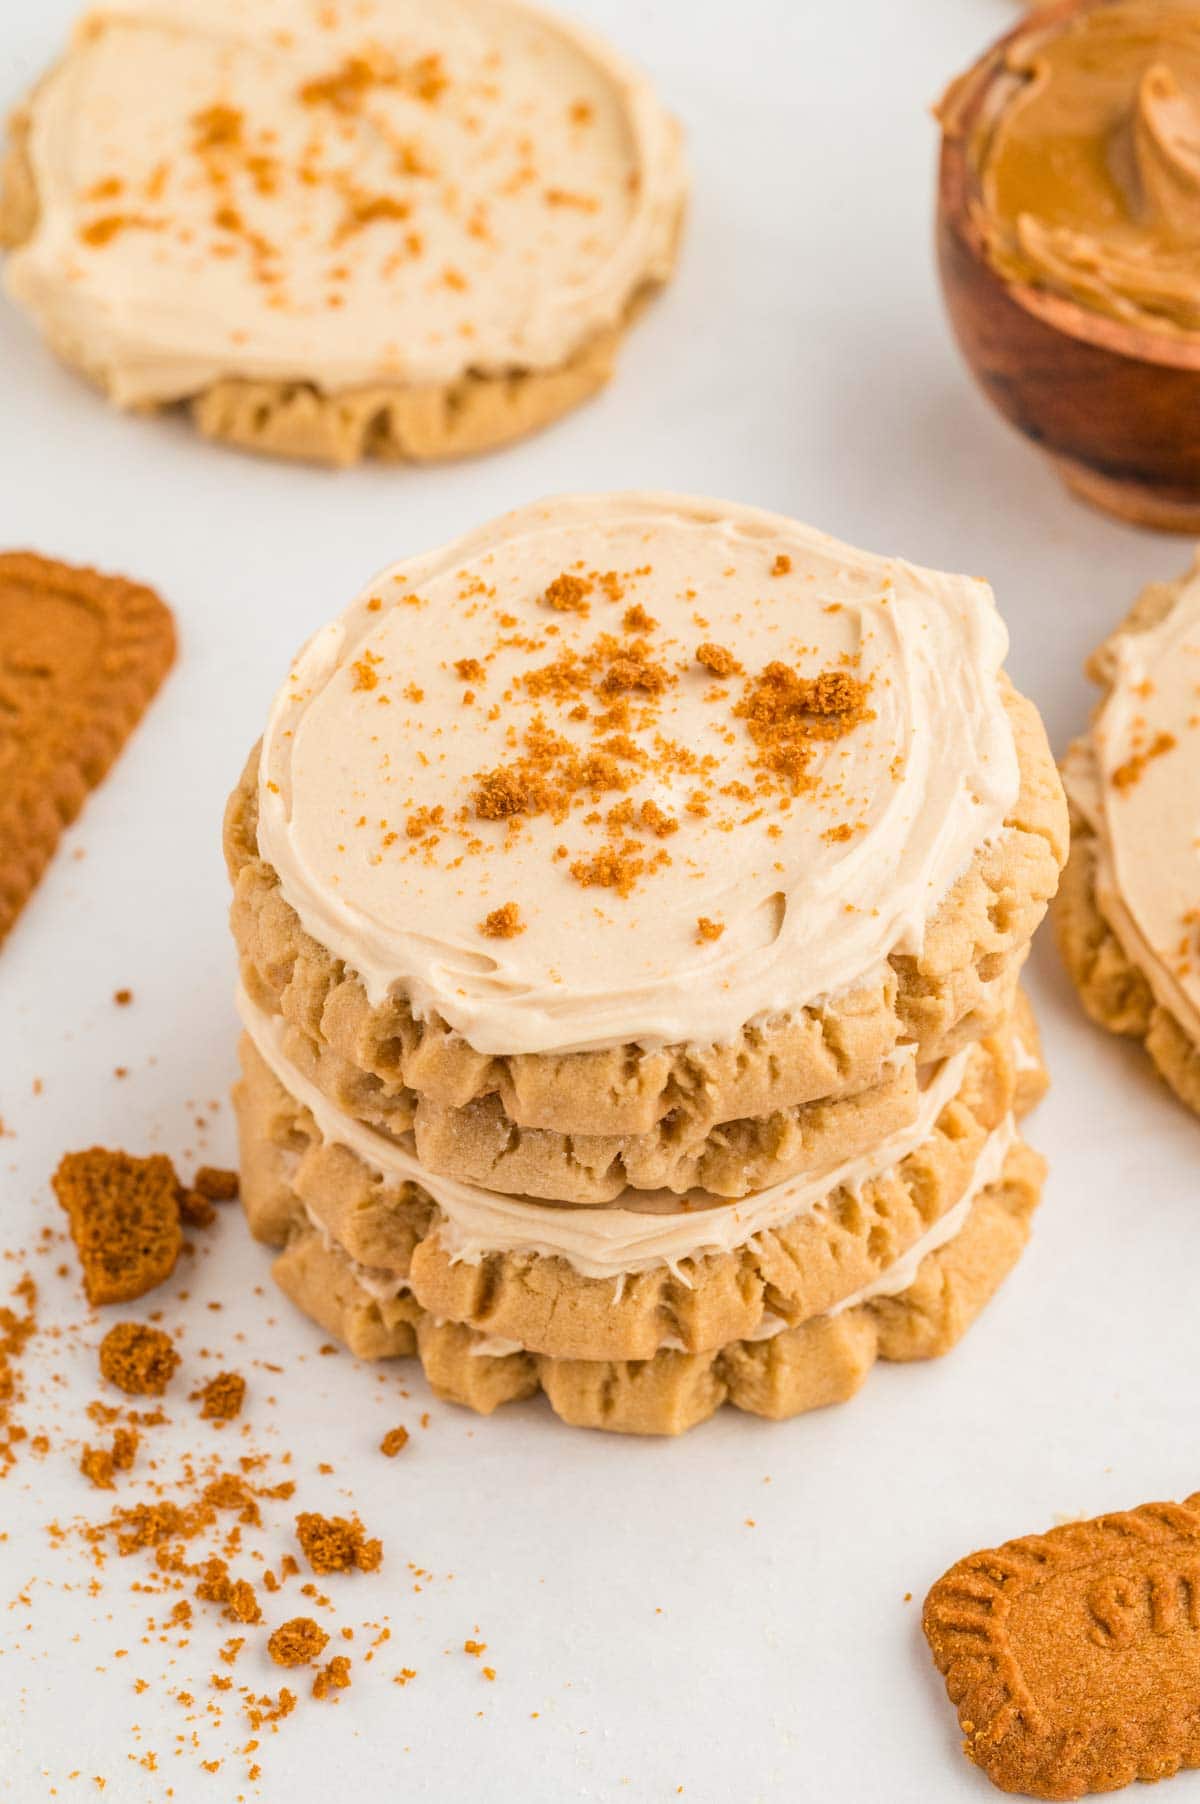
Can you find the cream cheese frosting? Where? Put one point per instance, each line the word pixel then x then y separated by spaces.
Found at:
pixel 340 194
pixel 643 1230
pixel 635 768
pixel 1135 779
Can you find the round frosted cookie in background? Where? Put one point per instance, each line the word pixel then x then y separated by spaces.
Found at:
pixel 395 229
pixel 1128 914
pixel 636 814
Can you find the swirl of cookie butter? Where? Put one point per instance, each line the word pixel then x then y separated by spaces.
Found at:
pixel 1089 166
pixel 645 1230
pixel 391 191
pixel 635 768
pixel 1135 779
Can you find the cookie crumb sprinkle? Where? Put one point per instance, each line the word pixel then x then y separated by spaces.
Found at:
pixel 336 1543
pixel 138 1359
pixel 221 1399
pixel 297 1642
pixel 502 923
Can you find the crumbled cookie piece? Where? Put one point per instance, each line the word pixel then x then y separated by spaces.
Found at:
pixel 195 1211
pixel 503 923
pixel 138 1359
pixel 124 1219
pixel 394 1442
pixel 216 1184
pixel 100 1464
pixel 237 1595
pixel 96 1464
pixel 222 1397
pixel 124 1448
pixel 297 1642
pixel 336 1543
pixel 334 1676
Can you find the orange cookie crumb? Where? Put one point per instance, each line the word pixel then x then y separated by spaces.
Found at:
pixel 333 1677
pixel 336 1543
pixel 503 923
pixel 717 658
pixel 215 1183
pixel 394 1442
pixel 222 1397
pixel 138 1359
pixel 297 1642
pixel 567 594
pixel 124 1219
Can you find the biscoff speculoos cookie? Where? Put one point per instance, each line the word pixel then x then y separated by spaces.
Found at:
pixel 647 815
pixel 391 230
pixel 1073 1657
pixel 1127 918
pixel 692 1273
pixel 81 657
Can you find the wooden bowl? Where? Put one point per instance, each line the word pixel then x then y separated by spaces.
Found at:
pixel 1115 407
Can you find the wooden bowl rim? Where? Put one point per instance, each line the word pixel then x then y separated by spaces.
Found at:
pixel 958 188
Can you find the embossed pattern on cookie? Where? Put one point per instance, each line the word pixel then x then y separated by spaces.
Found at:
pixel 81 656
pixel 1073 1657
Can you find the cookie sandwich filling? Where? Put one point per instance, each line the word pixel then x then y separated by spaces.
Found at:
pixel 644 1229
pixel 1135 780
pixel 635 769
pixel 284 190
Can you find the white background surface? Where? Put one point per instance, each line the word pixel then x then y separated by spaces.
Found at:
pixel 801 362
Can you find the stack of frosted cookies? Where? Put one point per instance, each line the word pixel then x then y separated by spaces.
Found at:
pixel 631 900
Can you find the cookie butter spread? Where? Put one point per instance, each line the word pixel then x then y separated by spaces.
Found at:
pixel 1089 161
pixel 635 768
pixel 643 1229
pixel 338 193
pixel 1135 779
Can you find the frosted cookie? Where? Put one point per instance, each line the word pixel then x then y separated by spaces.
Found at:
pixel 1128 919
pixel 394 229
pixel 634 816
pixel 652 1271
pixel 918 1311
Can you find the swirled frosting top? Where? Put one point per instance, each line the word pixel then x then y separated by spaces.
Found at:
pixel 1135 778
pixel 342 194
pixel 635 768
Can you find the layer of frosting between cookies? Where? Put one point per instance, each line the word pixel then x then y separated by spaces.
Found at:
pixel 640 637
pixel 389 192
pixel 898 1276
pixel 1135 779
pixel 645 1230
